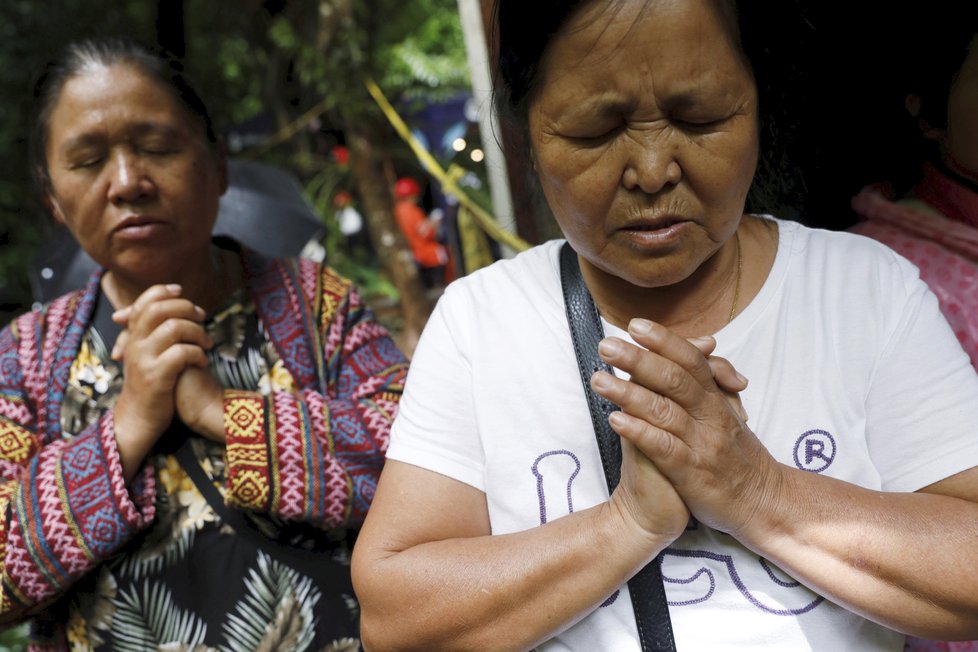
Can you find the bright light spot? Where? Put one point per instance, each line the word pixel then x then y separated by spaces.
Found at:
pixel 459 144
pixel 477 155
pixel 47 273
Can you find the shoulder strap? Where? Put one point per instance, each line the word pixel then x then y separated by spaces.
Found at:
pixel 310 562
pixel 647 593
pixel 182 437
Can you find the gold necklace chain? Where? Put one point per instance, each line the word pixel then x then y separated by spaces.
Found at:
pixel 740 269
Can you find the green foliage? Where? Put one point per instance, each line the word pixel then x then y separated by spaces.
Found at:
pixel 429 61
pixel 14 639
pixel 251 60
pixel 356 263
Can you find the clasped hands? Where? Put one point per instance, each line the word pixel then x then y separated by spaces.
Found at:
pixel 163 349
pixel 686 447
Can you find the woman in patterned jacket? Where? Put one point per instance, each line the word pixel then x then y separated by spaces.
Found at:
pixel 189 443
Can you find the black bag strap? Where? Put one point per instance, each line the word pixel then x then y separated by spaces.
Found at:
pixel 188 460
pixel 309 562
pixel 646 589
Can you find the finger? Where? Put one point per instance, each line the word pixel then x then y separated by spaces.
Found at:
pixel 118 349
pixel 655 443
pixel 706 344
pixel 121 316
pixel 153 294
pixel 640 402
pixel 738 405
pixel 181 356
pixel 152 315
pixel 173 332
pixel 659 339
pixel 145 349
pixel 725 375
pixel 657 372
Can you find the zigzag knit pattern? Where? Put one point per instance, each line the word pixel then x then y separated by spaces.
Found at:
pixel 12 403
pixel 65 503
pixel 289 471
pixel 324 442
pixel 309 455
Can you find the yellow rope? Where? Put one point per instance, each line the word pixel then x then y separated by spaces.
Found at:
pixel 448 180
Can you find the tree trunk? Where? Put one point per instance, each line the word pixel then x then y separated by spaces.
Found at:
pixel 367 167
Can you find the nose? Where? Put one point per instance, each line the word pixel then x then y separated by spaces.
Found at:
pixel 652 165
pixel 128 181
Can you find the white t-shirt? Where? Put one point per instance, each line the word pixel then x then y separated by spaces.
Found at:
pixel 853 373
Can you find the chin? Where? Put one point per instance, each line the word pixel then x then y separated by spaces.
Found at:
pixel 149 272
pixel 654 273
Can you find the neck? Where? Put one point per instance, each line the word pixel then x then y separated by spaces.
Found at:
pixel 206 281
pixel 698 305
pixel 704 302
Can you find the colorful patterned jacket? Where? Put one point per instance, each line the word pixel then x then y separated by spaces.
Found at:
pixel 312 455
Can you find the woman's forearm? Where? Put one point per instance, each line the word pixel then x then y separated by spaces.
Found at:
pixel 908 561
pixel 504 592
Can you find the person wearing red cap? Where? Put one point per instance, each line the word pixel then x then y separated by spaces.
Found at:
pixel 421 232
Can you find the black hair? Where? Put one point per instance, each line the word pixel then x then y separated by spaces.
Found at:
pixel 919 54
pixel 767 33
pixel 938 53
pixel 81 55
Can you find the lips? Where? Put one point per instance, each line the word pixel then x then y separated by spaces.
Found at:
pixel 138 227
pixel 654 234
pixel 657 224
pixel 649 227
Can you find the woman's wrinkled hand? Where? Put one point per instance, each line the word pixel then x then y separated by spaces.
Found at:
pixel 200 403
pixel 690 429
pixel 162 337
pixel 730 381
pixel 646 499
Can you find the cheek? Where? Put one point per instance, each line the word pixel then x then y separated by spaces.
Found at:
pixel 963 132
pixel 70 202
pixel 577 206
pixel 576 176
pixel 196 184
pixel 725 169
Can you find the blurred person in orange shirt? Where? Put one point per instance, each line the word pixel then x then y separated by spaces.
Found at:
pixel 421 232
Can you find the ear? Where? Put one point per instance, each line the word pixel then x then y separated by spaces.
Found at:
pixel 51 203
pixel 914 103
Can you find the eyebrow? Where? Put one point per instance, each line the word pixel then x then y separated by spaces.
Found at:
pixel 136 131
pixel 599 105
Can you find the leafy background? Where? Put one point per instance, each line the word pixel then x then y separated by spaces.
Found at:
pixel 286 76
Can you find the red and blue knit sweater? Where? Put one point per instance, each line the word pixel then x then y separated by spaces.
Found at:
pixel 311 455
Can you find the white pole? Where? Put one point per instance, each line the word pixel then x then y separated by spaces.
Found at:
pixel 470 12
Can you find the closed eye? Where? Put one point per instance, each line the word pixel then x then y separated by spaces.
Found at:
pixel 596 137
pixel 700 126
pixel 158 146
pixel 158 151
pixel 85 163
